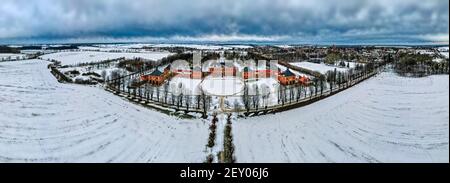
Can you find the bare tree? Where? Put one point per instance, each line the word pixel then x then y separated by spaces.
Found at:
pixel 255 98
pixel 246 98
pixel 179 101
pixel 103 74
pixel 322 83
pixel 198 99
pixel 166 91
pixel 236 106
pixel 187 101
pixel 205 102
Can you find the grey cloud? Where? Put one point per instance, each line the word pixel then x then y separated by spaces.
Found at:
pixel 310 19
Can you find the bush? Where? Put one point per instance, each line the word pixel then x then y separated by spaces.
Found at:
pixel 73 72
pixel 85 81
pixel 91 74
pixel 212 137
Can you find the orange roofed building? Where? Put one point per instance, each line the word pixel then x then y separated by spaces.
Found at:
pixel 287 77
pixel 157 77
pixel 303 80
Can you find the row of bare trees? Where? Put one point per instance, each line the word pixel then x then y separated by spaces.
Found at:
pixel 161 95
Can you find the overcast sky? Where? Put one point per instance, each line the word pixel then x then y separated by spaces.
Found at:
pixel 225 20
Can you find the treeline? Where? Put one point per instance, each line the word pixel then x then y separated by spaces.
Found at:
pixel 180 56
pixel 292 56
pixel 65 47
pixel 98 65
pixel 419 65
pixel 7 49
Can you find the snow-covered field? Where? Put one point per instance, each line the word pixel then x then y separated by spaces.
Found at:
pixel 322 68
pixel 70 58
pixel 384 119
pixel 42 120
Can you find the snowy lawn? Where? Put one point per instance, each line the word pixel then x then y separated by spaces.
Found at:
pixel 225 86
pixel 42 120
pixel 384 119
pixel 70 58
pixel 186 86
pixel 322 68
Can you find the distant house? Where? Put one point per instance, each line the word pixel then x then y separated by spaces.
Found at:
pixel 287 78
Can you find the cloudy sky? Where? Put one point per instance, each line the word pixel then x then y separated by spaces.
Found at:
pixel 225 20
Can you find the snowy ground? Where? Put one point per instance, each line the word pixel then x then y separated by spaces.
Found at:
pixel 322 68
pixel 42 120
pixel 187 86
pixel 384 119
pixel 70 58
pixel 225 86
